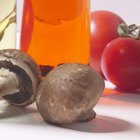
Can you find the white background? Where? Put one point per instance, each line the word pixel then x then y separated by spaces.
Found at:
pixel 128 9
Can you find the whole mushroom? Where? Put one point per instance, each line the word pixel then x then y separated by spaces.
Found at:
pixel 19 77
pixel 68 93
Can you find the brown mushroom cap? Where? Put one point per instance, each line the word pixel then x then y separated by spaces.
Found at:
pixel 20 65
pixel 68 93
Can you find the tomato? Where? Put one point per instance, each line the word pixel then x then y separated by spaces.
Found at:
pixel 104 25
pixel 27 25
pixel 121 63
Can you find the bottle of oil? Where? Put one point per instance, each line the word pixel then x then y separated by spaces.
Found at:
pixel 7 24
pixel 56 31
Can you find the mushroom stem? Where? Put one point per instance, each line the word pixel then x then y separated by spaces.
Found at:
pixel 9 83
pixel 89 116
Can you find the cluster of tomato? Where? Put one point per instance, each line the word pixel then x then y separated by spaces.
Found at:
pixel 116 58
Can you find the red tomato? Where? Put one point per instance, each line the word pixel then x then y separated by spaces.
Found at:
pixel 121 63
pixel 104 25
pixel 27 25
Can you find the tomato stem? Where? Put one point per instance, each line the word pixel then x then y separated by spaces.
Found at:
pixel 132 31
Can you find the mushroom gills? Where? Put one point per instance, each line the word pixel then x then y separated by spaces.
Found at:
pixel 24 90
pixel 25 76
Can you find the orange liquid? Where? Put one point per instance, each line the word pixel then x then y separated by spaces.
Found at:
pixel 61 31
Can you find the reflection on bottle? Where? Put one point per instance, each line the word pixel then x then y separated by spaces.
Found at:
pixel 56 31
pixel 11 18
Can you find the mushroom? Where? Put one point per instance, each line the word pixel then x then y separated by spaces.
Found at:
pixel 19 77
pixel 68 93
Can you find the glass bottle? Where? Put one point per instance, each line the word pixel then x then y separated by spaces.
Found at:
pixel 56 31
pixel 7 24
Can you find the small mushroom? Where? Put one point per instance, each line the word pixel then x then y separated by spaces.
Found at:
pixel 68 93
pixel 19 77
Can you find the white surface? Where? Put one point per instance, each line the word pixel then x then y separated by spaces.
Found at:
pixel 118 118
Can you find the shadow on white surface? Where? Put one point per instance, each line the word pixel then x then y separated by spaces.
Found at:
pixel 30 116
pixel 101 124
pixel 116 116
pixel 10 111
pixel 21 116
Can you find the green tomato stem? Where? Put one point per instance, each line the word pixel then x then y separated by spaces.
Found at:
pixel 132 31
